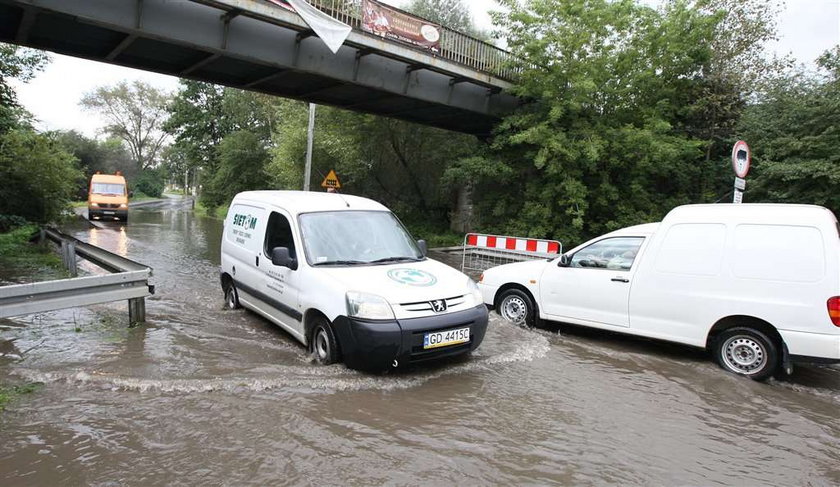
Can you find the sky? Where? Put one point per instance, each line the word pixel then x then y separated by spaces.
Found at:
pixel 806 29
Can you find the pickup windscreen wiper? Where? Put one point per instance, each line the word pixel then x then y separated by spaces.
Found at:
pixel 340 262
pixel 395 259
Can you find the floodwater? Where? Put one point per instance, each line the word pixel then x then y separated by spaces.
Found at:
pixel 205 396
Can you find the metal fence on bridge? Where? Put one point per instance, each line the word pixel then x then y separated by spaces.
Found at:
pixel 454 46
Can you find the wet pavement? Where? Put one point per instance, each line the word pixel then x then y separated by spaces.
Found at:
pixel 206 396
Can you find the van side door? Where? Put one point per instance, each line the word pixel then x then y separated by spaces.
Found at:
pixel 281 284
pixel 595 287
pixel 243 237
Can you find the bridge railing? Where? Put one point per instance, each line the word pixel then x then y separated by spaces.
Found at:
pixel 454 46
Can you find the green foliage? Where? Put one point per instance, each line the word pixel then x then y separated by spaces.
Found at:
pixel 794 133
pixel 20 257
pixel 601 144
pixel 20 63
pixel 150 182
pixel 38 177
pixel 242 159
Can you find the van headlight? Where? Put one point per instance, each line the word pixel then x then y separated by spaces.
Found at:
pixel 473 298
pixel 94 205
pixel 368 306
pixel 123 205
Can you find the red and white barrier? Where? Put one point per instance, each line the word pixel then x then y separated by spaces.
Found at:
pixel 512 243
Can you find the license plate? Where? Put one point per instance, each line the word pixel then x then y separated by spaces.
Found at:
pixel 446 338
pixel 108 212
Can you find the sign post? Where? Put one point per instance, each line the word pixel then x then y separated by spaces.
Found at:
pixel 741 166
pixel 309 136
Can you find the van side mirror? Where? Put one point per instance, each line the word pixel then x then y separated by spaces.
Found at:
pixel 131 194
pixel 565 261
pixel 423 247
pixel 280 257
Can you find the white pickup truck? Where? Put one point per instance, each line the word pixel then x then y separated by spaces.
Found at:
pixel 757 284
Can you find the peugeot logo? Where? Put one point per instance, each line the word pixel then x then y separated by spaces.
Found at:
pixel 439 305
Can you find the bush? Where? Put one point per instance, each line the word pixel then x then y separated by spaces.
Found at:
pixel 10 222
pixel 150 182
pixel 37 177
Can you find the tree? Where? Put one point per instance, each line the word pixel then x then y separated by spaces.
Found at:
pixel 20 63
pixel 37 176
pixel 736 66
pixel 242 159
pixel 600 145
pixel 794 132
pixel 136 113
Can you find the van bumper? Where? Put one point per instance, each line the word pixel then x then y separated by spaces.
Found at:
pixel 100 213
pixel 375 345
pixel 812 347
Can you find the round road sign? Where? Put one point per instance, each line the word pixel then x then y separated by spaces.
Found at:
pixel 741 158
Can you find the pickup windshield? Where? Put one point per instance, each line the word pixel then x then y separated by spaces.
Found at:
pixel 343 238
pixel 108 188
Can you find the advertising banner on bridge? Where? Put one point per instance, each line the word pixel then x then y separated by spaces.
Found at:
pixel 391 23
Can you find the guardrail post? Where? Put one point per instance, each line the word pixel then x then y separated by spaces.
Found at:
pixel 71 259
pixel 136 311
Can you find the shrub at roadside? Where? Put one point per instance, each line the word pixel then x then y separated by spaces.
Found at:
pixel 149 182
pixel 38 177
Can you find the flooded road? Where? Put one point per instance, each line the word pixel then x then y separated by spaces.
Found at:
pixel 205 396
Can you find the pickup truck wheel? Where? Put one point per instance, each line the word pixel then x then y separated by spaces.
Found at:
pixel 748 352
pixel 323 344
pixel 517 307
pixel 232 297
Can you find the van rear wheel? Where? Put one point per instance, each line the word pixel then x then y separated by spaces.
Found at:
pixel 748 352
pixel 323 345
pixel 231 297
pixel 516 307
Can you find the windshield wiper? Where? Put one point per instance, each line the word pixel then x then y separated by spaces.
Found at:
pixel 395 259
pixel 340 262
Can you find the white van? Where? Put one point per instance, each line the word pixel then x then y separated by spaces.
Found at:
pixel 343 276
pixel 757 284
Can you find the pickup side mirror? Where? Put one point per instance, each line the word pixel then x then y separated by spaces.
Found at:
pixel 280 257
pixel 565 261
pixel 423 247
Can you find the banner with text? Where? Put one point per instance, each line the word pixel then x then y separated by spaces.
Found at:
pixel 391 23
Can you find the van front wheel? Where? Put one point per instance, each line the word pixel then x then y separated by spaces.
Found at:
pixel 748 352
pixel 323 344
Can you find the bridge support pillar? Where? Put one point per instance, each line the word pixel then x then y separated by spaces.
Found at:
pixel 136 311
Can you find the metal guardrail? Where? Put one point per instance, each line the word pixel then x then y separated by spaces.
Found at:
pixel 130 281
pixel 454 45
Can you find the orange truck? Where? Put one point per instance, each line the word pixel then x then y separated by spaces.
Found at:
pixel 108 197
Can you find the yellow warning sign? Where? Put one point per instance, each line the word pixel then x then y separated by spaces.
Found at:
pixel 331 181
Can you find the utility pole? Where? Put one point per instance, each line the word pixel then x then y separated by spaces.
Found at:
pixel 309 136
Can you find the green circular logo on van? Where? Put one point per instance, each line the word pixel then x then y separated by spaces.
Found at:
pixel 412 277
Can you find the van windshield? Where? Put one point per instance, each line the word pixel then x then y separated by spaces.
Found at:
pixel 108 188
pixel 356 238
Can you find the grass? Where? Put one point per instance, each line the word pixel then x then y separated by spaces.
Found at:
pixel 19 257
pixel 217 212
pixel 9 393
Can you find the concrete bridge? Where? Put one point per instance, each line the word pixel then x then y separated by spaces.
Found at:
pixel 255 45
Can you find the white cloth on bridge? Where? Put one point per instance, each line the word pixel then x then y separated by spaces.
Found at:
pixel 332 31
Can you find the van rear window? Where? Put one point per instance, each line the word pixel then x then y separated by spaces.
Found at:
pixel 778 253
pixel 108 188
